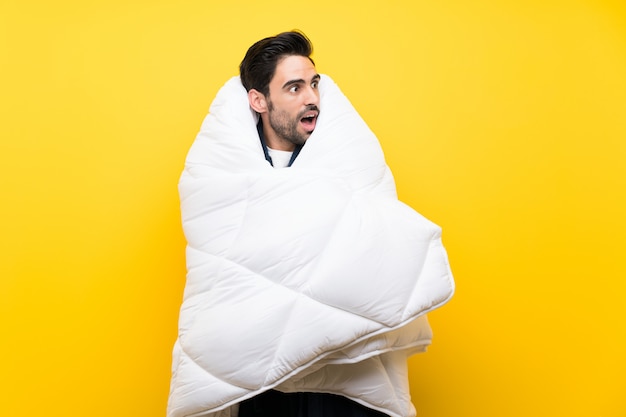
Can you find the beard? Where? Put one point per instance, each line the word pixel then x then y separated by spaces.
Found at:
pixel 287 127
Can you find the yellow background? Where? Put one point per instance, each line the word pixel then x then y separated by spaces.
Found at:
pixel 503 121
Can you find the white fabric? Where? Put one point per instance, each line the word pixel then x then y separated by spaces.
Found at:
pixel 310 278
pixel 280 159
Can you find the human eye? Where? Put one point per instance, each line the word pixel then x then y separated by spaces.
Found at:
pixel 315 84
pixel 294 88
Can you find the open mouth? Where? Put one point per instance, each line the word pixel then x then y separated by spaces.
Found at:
pixel 309 120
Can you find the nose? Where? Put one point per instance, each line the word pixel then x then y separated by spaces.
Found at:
pixel 312 97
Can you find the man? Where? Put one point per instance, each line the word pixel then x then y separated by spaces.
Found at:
pixel 307 287
pixel 282 86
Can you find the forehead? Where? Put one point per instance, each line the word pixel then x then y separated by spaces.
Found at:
pixel 293 67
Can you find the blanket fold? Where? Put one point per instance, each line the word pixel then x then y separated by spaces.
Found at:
pixel 310 278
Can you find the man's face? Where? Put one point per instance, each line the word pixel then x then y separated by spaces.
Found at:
pixel 292 103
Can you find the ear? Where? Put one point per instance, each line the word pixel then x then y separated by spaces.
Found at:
pixel 257 101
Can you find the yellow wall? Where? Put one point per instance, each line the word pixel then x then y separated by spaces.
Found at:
pixel 503 121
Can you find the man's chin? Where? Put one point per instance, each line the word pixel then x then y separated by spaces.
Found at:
pixel 301 139
pixel 307 134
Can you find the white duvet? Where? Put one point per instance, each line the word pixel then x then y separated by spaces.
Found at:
pixel 308 278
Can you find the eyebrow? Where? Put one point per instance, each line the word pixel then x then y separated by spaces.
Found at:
pixel 316 77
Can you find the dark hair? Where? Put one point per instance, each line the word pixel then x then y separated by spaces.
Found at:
pixel 259 65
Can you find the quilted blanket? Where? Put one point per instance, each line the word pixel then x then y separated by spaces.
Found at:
pixel 308 278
